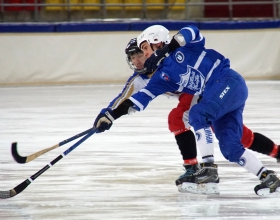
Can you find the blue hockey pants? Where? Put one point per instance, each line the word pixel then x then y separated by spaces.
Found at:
pixel 221 107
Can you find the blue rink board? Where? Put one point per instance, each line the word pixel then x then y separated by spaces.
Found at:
pixel 126 25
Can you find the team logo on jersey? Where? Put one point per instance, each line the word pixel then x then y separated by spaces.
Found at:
pixel 242 161
pixel 179 57
pixel 164 76
pixel 198 136
pixel 193 79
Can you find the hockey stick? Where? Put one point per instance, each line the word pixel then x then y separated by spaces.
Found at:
pixel 31 157
pixel 22 186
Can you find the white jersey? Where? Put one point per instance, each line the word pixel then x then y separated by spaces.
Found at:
pixel 133 85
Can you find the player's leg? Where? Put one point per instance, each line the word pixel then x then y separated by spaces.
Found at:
pixel 178 124
pixel 178 121
pixel 227 131
pixel 185 138
pixel 213 106
pixel 222 106
pixel 205 144
pixel 260 143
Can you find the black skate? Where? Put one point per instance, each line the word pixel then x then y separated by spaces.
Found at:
pixel 270 184
pixel 187 176
pixel 202 181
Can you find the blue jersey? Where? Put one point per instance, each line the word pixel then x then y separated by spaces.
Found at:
pixel 187 69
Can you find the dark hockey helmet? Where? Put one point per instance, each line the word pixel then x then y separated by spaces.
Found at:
pixel 130 50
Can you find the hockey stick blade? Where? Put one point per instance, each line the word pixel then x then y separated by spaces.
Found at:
pixel 20 159
pixel 22 186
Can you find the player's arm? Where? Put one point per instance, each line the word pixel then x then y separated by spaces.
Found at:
pixel 188 36
pixel 152 63
pixel 128 89
pixel 105 119
pixel 137 102
pixel 131 87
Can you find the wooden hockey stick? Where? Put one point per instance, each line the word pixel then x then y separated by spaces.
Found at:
pixel 20 159
pixel 22 186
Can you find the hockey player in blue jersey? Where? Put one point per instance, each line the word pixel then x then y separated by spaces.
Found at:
pixel 177 118
pixel 196 70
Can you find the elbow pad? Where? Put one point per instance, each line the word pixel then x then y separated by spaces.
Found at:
pixel 180 40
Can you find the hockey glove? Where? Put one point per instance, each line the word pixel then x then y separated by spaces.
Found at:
pixel 154 60
pixel 104 120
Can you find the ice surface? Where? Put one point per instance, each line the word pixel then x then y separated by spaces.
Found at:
pixel 128 172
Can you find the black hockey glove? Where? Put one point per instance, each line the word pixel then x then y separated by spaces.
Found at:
pixel 104 120
pixel 154 60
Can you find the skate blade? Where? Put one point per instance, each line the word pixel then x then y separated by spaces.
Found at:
pixel 202 188
pixel 266 192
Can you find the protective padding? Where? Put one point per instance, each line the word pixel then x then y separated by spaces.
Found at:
pixel 247 137
pixel 187 145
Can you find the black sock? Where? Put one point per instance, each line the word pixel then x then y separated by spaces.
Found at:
pixel 187 144
pixel 262 144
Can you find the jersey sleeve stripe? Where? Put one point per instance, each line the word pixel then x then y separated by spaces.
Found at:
pixel 192 32
pixel 125 94
pixel 138 104
pixel 200 39
pixel 147 92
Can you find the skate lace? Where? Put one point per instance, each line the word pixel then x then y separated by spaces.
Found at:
pixel 202 170
pixel 199 171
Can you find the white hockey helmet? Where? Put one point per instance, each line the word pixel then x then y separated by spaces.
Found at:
pixel 153 35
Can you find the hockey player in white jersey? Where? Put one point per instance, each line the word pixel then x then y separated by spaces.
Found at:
pixel 101 129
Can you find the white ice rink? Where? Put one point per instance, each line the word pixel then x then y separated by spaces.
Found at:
pixel 126 173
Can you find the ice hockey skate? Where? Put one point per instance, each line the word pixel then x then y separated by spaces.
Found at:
pixel 270 184
pixel 199 179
